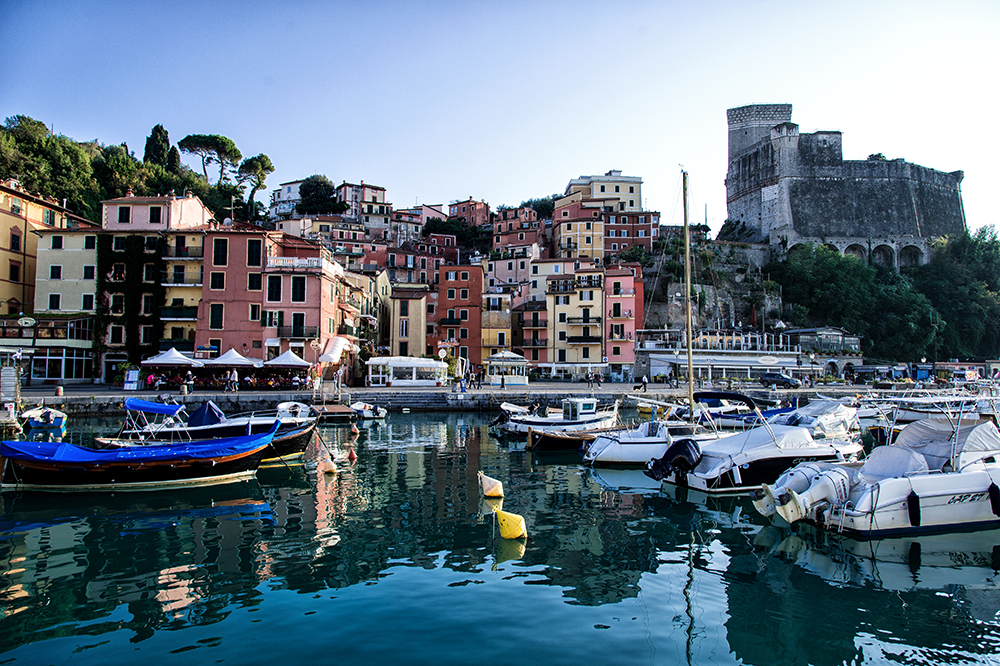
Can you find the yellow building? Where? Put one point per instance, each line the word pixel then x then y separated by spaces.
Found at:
pixel 575 305
pixel 408 332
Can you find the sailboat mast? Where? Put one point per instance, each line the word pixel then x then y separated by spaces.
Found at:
pixel 687 299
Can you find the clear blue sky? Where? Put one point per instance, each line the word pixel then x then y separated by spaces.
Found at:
pixel 505 101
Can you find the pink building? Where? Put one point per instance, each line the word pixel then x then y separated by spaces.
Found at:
pixel 475 213
pixel 623 300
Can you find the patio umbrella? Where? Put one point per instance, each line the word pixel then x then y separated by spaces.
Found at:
pixel 233 358
pixel 172 357
pixel 287 360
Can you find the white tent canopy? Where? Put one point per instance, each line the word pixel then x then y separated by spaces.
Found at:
pixel 288 360
pixel 172 357
pixel 233 358
pixel 335 347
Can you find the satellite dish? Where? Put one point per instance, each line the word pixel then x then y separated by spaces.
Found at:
pixel 442 353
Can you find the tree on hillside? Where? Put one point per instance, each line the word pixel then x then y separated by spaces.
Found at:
pixel 212 149
pixel 544 206
pixel 254 170
pixel 157 146
pixel 174 160
pixel 317 194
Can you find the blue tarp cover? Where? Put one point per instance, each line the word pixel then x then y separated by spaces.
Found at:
pixel 197 450
pixel 207 414
pixel 152 407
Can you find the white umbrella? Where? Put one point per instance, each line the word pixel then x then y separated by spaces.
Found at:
pixel 287 360
pixel 233 358
pixel 172 357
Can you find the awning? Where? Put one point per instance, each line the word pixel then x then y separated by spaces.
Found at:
pixel 233 358
pixel 288 360
pixel 573 365
pixel 335 347
pixel 272 342
pixel 172 357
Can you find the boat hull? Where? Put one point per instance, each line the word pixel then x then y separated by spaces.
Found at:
pixel 289 441
pixel 741 479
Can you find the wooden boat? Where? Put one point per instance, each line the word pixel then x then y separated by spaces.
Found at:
pixel 939 475
pixel 154 422
pixel 125 465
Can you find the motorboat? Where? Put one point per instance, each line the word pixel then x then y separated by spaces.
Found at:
pixel 124 464
pixel 631 446
pixel 155 422
pixel 939 475
pixel 825 419
pixel 577 414
pixel 44 417
pixel 746 460
pixel 369 412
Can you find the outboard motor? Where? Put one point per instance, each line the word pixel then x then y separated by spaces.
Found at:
pixel 682 457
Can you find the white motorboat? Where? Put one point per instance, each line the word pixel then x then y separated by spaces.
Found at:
pixel 938 475
pixel 369 411
pixel 633 446
pixel 577 414
pixel 825 419
pixel 42 417
pixel 746 460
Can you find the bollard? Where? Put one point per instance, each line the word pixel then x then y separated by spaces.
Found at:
pixel 184 389
pixel 59 391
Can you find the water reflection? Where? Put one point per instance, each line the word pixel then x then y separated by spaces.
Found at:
pixel 712 578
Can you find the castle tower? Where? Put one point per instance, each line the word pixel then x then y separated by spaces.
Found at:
pixel 752 123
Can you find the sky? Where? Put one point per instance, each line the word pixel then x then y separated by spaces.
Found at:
pixel 504 101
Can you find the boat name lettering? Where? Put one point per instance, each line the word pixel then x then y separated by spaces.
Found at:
pixel 967 497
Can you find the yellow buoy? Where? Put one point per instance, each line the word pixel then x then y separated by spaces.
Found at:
pixel 491 487
pixel 511 525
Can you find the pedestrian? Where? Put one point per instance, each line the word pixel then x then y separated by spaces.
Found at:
pixel 189 382
pixel 234 381
pixel 503 383
pixel 590 380
pixel 644 382
pixel 597 376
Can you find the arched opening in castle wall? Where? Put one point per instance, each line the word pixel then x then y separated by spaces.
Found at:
pixel 910 256
pixel 883 255
pixel 831 246
pixel 857 251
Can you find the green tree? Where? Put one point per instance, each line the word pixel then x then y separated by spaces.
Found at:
pixel 254 170
pixel 317 197
pixel 157 146
pixel 212 149
pixel 544 206
pixel 174 160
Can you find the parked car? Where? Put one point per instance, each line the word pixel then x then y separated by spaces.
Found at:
pixel 769 379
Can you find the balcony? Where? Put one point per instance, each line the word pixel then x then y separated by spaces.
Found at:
pixel 178 280
pixel 298 332
pixel 619 337
pixel 184 252
pixel 353 302
pixel 179 344
pixel 584 339
pixel 344 329
pixel 535 342
pixel 583 321
pixel 449 321
pixel 624 292
pixel 621 315
pixel 535 324
pixel 179 314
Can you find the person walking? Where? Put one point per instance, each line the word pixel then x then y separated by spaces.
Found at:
pixel 234 381
pixel 590 380
pixel 644 382
pixel 503 382
pixel 597 376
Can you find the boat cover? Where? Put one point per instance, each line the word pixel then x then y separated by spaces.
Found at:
pixel 785 437
pixel 137 405
pixel 64 452
pixel 885 462
pixel 207 414
pixel 828 417
pixel 933 439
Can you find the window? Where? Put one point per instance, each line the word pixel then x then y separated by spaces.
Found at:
pixel 586 240
pixel 450 275
pixel 147 304
pixel 55 272
pixel 589 225
pixel 124 215
pixel 618 188
pixel 253 252
pixel 602 188
pixel 520 237
pixel 116 335
pixel 465 276
pixel 15 272
pixel 150 243
pixel 463 315
pixel 255 312
pixel 255 282
pixel 15 205
pixel 510 265
pixel 404 328
pixel 273 318
pixel 562 317
pixel 155 214
pixel 57 243
pixel 404 349
pixel 55 301
pixel 215 313
pixel 569 226
pixel 15 242
pixel 614 246
pixel 534 270
pixel 430 308
pixel 624 233
pixel 463 294
pixel 611 233
pixel 534 284
pixel 562 336
pixel 586 352
pixel 148 272
pixel 616 351
pixel 88 302
pixel 220 251
pixel 463 333
pixel 451 294
pixel 146 332
pixel 298 288
pixel 117 303
pixel 273 288
pixel 118 244
pixel 642 233
pixel 89 242
pixel 217 280
pixel 404 308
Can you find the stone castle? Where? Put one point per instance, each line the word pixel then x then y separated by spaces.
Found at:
pixel 785 188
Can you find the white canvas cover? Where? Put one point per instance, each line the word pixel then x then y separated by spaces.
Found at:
pixel 932 438
pixel 886 462
pixel 785 437
pixel 233 358
pixel 288 360
pixel 172 357
pixel 335 347
pixel 827 418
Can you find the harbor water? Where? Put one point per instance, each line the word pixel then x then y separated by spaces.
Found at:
pixel 397 559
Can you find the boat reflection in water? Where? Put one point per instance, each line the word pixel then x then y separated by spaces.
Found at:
pixel 396 558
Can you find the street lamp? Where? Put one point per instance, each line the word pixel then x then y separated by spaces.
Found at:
pixel 812 362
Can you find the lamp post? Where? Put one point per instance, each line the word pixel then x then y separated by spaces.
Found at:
pixel 812 363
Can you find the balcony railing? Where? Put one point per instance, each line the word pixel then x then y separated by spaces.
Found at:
pixel 171 279
pixel 584 339
pixel 179 313
pixel 179 344
pixel 621 315
pixel 298 332
pixel 344 329
pixel 183 252
pixel 624 292
pixel 535 342
pixel 353 302
pixel 584 321
pixel 620 337
pixel 449 321
pixel 541 323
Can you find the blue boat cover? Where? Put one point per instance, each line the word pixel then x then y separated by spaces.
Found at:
pixel 207 449
pixel 137 405
pixel 207 414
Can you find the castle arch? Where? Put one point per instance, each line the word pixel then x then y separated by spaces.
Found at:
pixel 884 255
pixel 910 256
pixel 857 251
pixel 832 247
